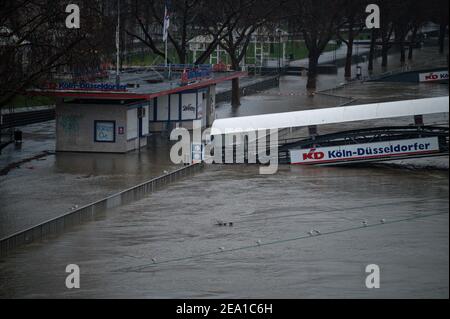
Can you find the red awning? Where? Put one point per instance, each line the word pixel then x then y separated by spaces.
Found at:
pixel 109 95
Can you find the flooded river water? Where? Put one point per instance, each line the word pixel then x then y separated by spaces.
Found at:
pixel 169 246
pixel 154 248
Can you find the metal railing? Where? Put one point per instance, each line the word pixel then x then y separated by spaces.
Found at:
pixel 11 120
pixel 62 223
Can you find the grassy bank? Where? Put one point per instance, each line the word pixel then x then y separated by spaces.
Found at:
pixel 28 101
pixel 295 49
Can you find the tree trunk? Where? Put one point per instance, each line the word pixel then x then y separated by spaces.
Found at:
pixel 182 56
pixel 400 39
pixel 442 30
pixel 349 57
pixel 235 93
pixel 412 43
pixel 372 50
pixel 384 55
pixel 312 71
pixel 402 52
pixel 235 87
pixel 349 60
pixel 182 59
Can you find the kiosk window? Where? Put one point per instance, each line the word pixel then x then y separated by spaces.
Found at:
pixel 105 131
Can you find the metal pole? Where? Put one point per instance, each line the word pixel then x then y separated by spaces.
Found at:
pixel 166 51
pixel 118 45
pixel 279 52
pixel 139 111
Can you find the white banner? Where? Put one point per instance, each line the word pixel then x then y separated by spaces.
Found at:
pixel 433 76
pixel 189 106
pixel 365 151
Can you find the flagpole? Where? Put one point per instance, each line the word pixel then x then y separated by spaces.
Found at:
pixel 166 36
pixel 166 48
pixel 118 45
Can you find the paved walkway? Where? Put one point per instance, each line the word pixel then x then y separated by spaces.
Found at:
pixel 330 57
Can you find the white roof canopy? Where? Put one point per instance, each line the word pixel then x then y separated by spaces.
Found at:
pixel 331 115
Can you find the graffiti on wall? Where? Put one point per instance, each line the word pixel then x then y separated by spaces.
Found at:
pixel 70 124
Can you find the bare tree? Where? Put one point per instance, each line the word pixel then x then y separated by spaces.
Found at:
pixel 354 18
pixel 186 20
pixel 246 16
pixel 317 21
pixel 373 44
pixel 440 10
pixel 35 44
pixel 387 29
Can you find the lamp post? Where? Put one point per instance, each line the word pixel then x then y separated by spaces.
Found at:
pixel 118 45
pixel 279 50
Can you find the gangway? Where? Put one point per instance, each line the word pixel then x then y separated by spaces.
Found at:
pixel 347 147
pixel 382 140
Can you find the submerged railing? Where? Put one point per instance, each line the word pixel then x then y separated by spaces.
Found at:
pixel 81 215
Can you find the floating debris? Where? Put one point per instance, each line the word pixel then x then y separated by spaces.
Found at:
pixel 220 223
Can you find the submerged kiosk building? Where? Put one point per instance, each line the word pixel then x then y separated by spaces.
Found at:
pixel 109 118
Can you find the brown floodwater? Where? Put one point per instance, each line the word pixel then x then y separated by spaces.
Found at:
pixel 267 253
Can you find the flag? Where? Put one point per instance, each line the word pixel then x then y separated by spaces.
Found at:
pixel 166 21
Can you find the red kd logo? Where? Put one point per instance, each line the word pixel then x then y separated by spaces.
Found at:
pixel 432 76
pixel 313 155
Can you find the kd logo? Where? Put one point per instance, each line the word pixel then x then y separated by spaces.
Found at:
pixel 73 19
pixel 373 19
pixel 73 280
pixel 373 279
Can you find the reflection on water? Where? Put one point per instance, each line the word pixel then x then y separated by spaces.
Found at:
pixel 145 163
pixel 290 96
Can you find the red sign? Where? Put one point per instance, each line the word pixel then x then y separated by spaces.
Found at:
pixel 313 155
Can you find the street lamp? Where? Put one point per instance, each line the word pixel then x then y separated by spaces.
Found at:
pixel 279 32
pixel 118 45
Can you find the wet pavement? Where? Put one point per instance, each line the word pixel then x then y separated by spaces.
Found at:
pixel 330 57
